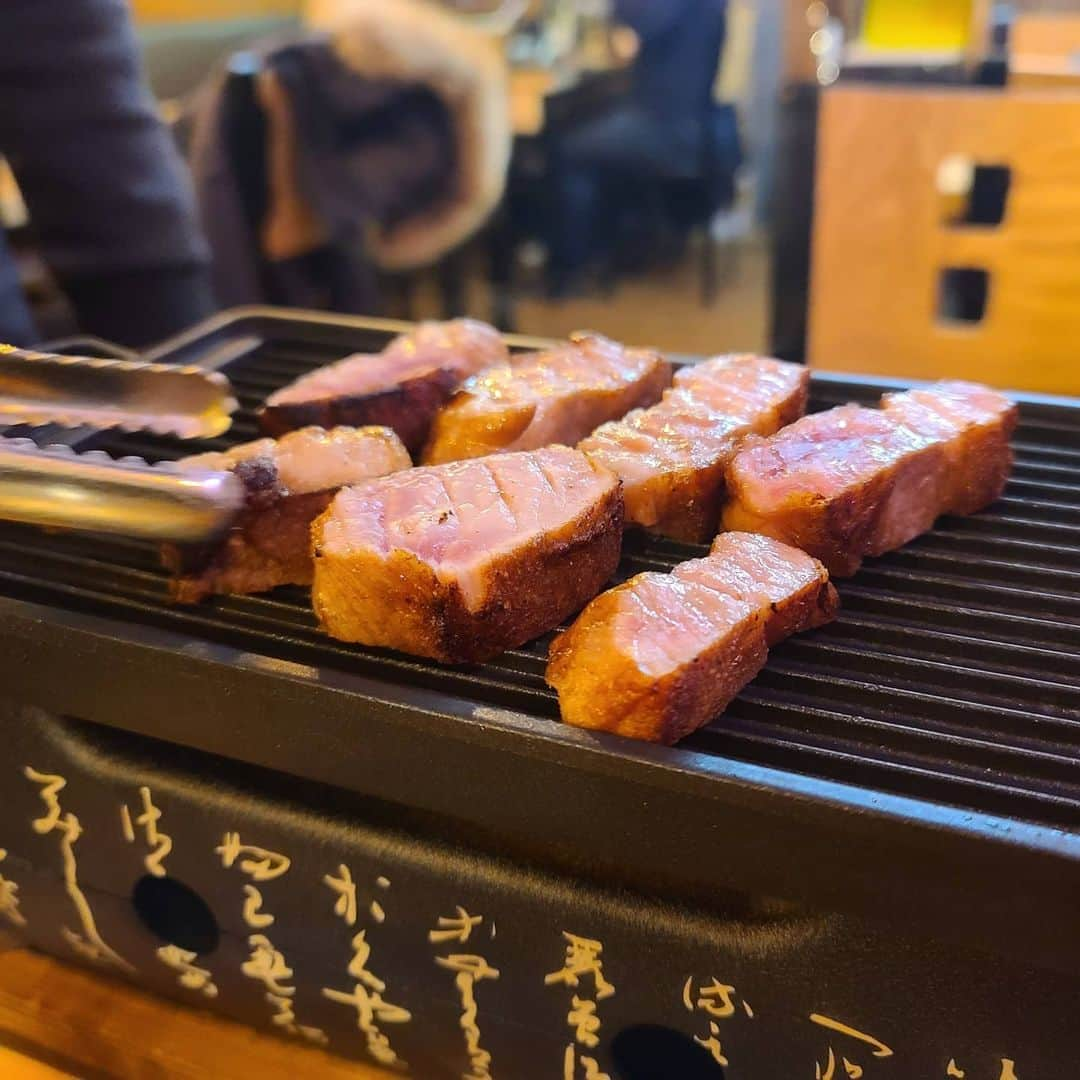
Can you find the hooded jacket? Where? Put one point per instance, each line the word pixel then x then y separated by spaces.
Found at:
pixel 383 138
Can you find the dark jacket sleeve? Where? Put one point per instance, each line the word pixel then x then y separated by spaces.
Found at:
pixel 649 18
pixel 107 192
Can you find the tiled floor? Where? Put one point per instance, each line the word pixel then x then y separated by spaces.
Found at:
pixel 665 308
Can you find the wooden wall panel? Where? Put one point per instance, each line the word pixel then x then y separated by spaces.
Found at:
pixel 880 239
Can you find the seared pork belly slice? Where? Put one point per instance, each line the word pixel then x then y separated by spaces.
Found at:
pixel 671 457
pixel 840 484
pixel 975 423
pixel 544 398
pixel 288 483
pixel 400 388
pixel 459 562
pixel 663 654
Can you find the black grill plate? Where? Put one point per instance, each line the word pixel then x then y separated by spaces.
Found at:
pixel 946 696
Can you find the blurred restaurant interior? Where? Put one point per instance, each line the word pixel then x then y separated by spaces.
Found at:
pixel 653 171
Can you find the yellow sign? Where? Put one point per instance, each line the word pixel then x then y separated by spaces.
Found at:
pixel 929 25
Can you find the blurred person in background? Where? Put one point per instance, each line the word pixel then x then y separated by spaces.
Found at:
pixel 658 130
pixel 108 195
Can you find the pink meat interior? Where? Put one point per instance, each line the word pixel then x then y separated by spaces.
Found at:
pixel 822 455
pixel 462 346
pixel 459 517
pixel 312 459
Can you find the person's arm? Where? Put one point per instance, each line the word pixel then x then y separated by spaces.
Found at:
pixel 108 195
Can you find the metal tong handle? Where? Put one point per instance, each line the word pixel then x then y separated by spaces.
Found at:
pixel 58 488
pixel 133 395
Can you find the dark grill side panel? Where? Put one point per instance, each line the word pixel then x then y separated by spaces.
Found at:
pixel 952 672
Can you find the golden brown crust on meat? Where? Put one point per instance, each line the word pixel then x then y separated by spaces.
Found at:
pixel 266 547
pixel 602 686
pixel 601 689
pixel 991 459
pixel 453 439
pixel 697 497
pixel 984 459
pixel 685 503
pixel 407 408
pixel 795 406
pixel 398 602
pixel 473 424
pixel 842 529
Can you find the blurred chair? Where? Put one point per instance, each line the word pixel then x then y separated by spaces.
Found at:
pixel 658 164
pixel 945 240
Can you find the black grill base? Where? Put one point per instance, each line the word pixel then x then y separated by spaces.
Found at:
pixel 925 1002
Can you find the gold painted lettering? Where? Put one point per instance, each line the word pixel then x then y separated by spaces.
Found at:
pixel 159 841
pixel 253 916
pixel 456 928
pixel 258 863
pixel 366 996
pixel 358 965
pixel 590 1065
pixel 470 970
pixel 583 1019
pixel 191 976
pixel 718 1001
pixel 880 1049
pixel 582 959
pixel 88 943
pixel 268 966
pixel 51 786
pixel 285 1018
pixel 712 1043
pixel 853 1070
pixel 9 899
pixel 345 887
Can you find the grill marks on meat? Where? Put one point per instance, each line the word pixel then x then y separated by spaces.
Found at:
pixel 288 482
pixel 400 388
pixel 544 398
pixel 460 562
pixel 671 457
pixel 852 482
pixel 663 654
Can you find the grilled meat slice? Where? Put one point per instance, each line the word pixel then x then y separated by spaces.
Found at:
pixel 671 457
pixel 400 388
pixel 543 398
pixel 853 482
pixel 840 484
pixel 288 483
pixel 459 562
pixel 663 654
pixel 975 423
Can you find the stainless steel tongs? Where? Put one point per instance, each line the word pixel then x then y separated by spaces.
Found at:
pixel 59 488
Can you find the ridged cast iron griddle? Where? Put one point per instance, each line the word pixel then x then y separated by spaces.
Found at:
pixel 945 698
